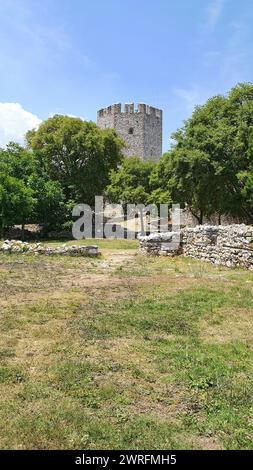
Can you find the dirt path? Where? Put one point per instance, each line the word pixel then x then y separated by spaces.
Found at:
pixel 115 259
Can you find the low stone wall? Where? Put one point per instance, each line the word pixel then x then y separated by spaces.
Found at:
pixel 16 246
pixel 230 245
pixel 158 244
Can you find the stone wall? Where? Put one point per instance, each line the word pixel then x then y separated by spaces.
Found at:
pixel 189 220
pixel 19 247
pixel 230 245
pixel 141 129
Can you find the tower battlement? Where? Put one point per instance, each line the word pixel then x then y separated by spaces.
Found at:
pixel 140 128
pixel 129 108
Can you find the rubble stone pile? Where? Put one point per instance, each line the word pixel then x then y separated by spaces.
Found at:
pixel 17 246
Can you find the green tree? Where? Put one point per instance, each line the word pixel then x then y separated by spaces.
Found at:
pixel 210 165
pixel 131 184
pixel 19 162
pixel 50 209
pixel 189 178
pixel 77 154
pixel 16 202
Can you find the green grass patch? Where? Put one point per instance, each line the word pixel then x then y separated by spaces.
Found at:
pixel 108 244
pixel 126 352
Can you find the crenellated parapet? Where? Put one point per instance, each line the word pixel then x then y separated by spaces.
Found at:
pixel 149 110
pixel 113 109
pixel 129 108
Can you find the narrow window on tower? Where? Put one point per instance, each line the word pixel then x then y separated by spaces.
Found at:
pixel 130 130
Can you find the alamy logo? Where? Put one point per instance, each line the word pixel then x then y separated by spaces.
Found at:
pixel 130 221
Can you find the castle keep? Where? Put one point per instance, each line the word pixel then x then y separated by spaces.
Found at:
pixel 141 129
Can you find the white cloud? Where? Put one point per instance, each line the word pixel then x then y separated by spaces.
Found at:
pixel 214 12
pixel 15 121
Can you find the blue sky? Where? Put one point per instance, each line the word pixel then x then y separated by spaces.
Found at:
pixel 73 57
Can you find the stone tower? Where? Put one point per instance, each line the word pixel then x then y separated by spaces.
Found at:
pixel 141 129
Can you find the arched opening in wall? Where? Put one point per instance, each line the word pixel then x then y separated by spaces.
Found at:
pixel 131 130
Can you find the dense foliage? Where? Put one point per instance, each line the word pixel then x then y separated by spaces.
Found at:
pixel 77 154
pixel 131 183
pixel 16 201
pixel 210 166
pixel 66 161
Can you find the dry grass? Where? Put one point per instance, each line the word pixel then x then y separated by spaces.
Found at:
pixel 124 352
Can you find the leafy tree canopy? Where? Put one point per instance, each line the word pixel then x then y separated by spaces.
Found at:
pixel 16 201
pixel 19 162
pixel 24 167
pixel 77 154
pixel 131 183
pixel 210 164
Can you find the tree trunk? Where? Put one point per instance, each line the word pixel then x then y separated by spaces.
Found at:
pixel 198 217
pixel 23 232
pixel 142 222
pixel 201 216
pixel 1 226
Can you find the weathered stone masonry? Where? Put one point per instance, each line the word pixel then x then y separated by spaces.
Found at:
pixel 141 129
pixel 230 245
pixel 19 247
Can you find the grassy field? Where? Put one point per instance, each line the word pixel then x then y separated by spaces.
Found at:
pixel 124 352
